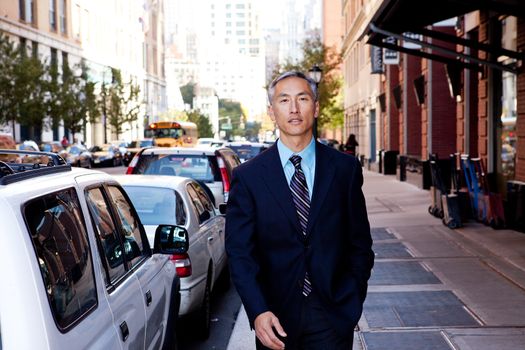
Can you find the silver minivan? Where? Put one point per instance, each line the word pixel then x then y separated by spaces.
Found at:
pixel 209 166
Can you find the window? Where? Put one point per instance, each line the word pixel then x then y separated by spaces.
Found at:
pixel 201 208
pixel 132 240
pixel 157 205
pixel 59 237
pixel 26 10
pixel 109 244
pixel 53 15
pixel 62 16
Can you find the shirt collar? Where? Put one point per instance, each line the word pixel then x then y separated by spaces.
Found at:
pixel 307 154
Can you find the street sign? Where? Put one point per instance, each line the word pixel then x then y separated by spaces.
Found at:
pixel 377 60
pixel 391 56
pixel 226 126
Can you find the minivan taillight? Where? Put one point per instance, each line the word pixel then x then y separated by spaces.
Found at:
pixel 182 264
pixel 224 176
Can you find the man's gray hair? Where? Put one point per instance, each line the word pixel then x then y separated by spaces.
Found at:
pixel 297 74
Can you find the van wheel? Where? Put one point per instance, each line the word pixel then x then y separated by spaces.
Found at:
pixel 204 313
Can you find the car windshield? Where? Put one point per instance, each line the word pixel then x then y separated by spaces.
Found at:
pixel 75 150
pixel 195 166
pixel 155 205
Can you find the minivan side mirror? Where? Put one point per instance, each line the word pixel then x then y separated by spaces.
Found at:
pixel 171 239
pixel 222 208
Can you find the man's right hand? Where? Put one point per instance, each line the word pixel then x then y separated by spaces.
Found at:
pixel 264 325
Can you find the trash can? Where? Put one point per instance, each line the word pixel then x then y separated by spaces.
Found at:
pixel 515 205
pixel 402 173
pixel 380 160
pixel 390 162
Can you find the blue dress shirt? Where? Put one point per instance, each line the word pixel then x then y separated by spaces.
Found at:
pixel 307 163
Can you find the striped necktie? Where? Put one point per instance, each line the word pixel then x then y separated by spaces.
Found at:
pixel 301 200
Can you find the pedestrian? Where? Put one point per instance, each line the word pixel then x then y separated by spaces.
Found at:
pixel 297 232
pixel 351 144
pixel 65 141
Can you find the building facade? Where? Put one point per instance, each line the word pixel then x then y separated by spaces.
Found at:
pixel 449 81
pixel 104 35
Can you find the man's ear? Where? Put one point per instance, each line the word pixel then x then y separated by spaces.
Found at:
pixel 316 111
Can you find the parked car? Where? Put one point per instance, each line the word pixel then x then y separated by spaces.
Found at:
pixel 210 166
pixel 134 147
pixel 79 268
pixel 330 143
pixel 106 155
pixel 78 155
pixel 121 144
pixel 207 142
pixel 28 145
pixel 246 150
pixel 52 146
pixel 182 201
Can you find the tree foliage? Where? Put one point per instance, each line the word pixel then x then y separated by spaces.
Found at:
pixel 29 92
pixel 33 90
pixel 119 101
pixel 231 112
pixel 8 56
pixel 315 52
pixel 204 126
pixel 188 93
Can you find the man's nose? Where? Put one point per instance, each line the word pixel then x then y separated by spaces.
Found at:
pixel 294 107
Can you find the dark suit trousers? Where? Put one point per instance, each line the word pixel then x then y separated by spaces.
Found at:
pixel 316 333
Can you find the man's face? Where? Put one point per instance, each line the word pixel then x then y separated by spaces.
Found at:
pixel 293 107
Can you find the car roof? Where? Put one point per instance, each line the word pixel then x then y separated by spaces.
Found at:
pixel 209 151
pixel 44 183
pixel 167 181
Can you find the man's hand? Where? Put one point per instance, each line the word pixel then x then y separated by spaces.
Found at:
pixel 264 325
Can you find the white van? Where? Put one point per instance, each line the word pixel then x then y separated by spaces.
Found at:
pixel 76 267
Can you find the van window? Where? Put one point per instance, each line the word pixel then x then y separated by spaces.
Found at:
pixel 59 237
pixel 133 246
pixel 110 248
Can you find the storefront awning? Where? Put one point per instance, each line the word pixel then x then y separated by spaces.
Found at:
pixel 400 19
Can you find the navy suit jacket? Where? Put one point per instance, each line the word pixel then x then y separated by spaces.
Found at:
pixel 269 255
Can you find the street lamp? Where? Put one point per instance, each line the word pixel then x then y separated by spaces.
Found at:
pixel 316 74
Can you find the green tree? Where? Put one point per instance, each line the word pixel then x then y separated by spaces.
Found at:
pixel 30 89
pixel 120 102
pixel 79 100
pixel 8 104
pixel 188 93
pixel 315 52
pixel 204 126
pixel 231 111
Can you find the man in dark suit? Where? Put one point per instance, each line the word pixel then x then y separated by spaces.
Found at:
pixel 297 232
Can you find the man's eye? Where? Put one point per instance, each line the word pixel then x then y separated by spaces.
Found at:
pixel 283 100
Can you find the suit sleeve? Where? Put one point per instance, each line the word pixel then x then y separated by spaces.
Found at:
pixel 361 254
pixel 240 236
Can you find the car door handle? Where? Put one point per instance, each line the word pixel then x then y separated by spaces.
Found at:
pixel 124 331
pixel 210 239
pixel 148 298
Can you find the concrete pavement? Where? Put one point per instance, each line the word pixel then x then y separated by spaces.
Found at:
pixel 433 287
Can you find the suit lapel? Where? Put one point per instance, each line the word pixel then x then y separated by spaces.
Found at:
pixel 324 173
pixel 273 175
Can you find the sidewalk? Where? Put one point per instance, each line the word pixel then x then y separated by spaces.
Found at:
pixel 433 287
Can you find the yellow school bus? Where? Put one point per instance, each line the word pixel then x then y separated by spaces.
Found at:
pixel 173 133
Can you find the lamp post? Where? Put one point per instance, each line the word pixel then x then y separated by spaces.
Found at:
pixel 316 74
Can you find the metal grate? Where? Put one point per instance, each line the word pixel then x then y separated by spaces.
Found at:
pixel 401 272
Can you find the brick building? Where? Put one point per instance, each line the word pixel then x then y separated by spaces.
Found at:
pixel 457 82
